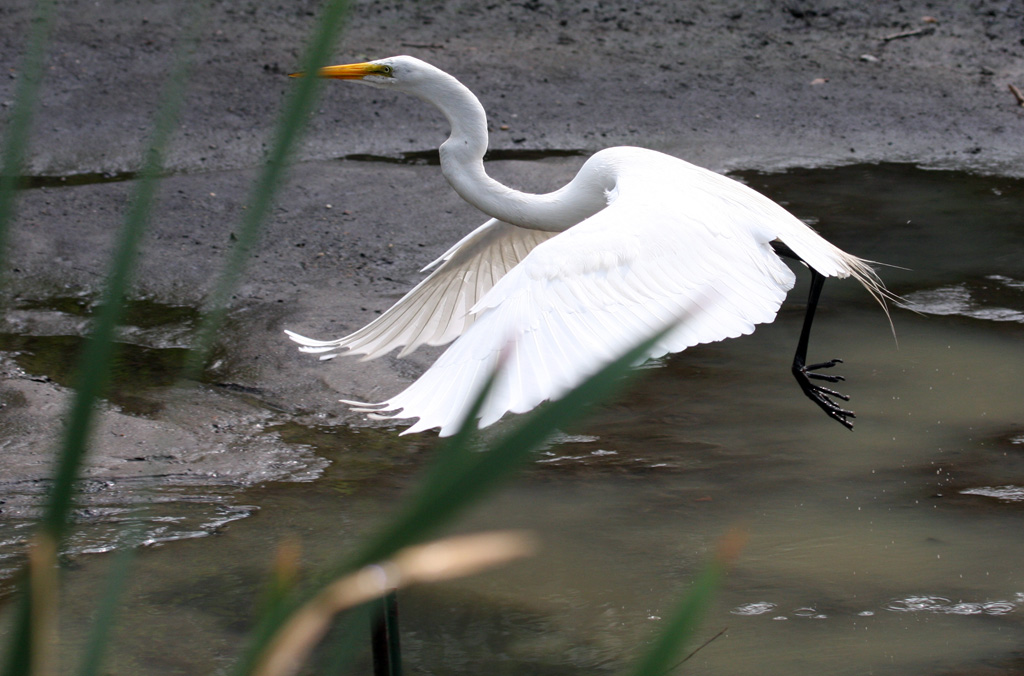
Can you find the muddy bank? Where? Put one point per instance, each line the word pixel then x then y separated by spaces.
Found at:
pixel 723 84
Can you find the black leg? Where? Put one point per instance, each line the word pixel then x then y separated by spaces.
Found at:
pixel 805 373
pixel 387 653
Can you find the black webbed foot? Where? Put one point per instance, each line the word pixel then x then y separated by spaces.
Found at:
pixel 822 396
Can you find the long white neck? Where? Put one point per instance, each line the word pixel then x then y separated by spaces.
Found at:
pixel 462 164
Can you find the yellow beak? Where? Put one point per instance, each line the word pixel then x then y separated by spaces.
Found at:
pixel 351 71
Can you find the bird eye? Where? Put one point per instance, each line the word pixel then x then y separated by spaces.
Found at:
pixel 385 70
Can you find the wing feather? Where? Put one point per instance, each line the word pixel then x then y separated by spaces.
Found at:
pixel 437 310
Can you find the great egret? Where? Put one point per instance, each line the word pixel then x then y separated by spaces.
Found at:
pixel 565 281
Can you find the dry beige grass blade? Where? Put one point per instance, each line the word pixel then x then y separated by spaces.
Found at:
pixel 440 560
pixel 42 564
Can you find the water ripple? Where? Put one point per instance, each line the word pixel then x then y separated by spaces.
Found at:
pixel 971 300
pixel 939 605
pixel 942 605
pixel 759 608
pixel 1005 493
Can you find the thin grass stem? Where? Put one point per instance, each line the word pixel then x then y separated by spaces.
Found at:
pixel 291 123
pixel 106 613
pixel 95 362
pixel 19 125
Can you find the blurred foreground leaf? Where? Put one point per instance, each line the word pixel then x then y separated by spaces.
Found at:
pixel 94 367
pixel 19 123
pixel 663 655
pixel 441 560
pixel 291 122
pixel 460 476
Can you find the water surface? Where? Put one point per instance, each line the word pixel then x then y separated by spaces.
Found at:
pixel 894 549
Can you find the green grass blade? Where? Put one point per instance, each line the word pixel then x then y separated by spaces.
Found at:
pixel 20 122
pixel 298 106
pixel 457 454
pixel 106 613
pixel 19 656
pixel 12 160
pixel 453 486
pixel 459 478
pixel 95 362
pixel 348 639
pixel 94 368
pixel 663 655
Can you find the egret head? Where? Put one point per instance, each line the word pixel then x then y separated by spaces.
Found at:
pixel 405 73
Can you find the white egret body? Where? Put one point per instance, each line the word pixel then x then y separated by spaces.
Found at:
pixel 564 282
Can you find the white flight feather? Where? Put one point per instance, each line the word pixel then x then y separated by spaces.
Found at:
pixel 436 310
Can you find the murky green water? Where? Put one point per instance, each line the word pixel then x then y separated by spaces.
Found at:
pixel 895 549
pixel 168 492
pixel 152 352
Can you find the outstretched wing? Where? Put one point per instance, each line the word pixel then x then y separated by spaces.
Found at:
pixel 670 249
pixel 437 310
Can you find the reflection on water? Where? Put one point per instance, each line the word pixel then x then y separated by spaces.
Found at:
pixel 894 549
